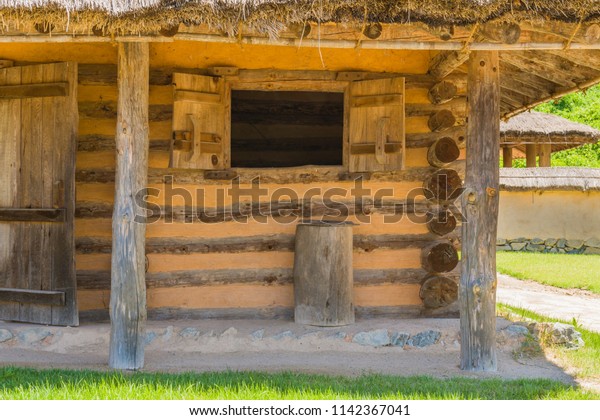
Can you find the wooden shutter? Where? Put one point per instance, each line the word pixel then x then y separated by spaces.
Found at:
pixel 38 138
pixel 201 122
pixel 375 127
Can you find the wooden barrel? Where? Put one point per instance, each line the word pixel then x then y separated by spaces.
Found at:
pixel 323 274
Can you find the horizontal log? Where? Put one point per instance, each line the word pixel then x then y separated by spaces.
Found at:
pixel 264 243
pixel 35 90
pixel 106 74
pixel 99 142
pixel 32 215
pixel 108 109
pixel 100 280
pixel 294 210
pixel 171 313
pixel 362 313
pixel 305 175
pixel 38 297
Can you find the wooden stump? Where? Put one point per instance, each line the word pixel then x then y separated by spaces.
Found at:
pixel 439 258
pixel 323 274
pixel 444 185
pixel 442 223
pixel 437 292
pixel 443 152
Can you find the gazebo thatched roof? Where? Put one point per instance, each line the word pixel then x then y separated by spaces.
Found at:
pixel 540 128
pixel 548 179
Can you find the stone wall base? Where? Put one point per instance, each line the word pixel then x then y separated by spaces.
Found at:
pixel 550 245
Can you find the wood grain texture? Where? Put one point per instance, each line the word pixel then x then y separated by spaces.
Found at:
pixel 381 122
pixel 128 288
pixel 38 136
pixel 478 282
pixel 323 280
pixel 202 106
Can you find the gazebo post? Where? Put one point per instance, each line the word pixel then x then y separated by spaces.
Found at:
pixel 507 157
pixel 128 281
pixel 530 155
pixel 545 152
pixel 477 291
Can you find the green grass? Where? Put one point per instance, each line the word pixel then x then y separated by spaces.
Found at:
pixel 584 361
pixel 559 270
pixel 25 383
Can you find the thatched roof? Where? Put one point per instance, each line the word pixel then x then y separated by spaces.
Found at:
pixel 548 179
pixel 267 15
pixel 538 127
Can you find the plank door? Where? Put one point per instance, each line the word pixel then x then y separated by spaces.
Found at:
pixel 375 125
pixel 38 137
pixel 201 122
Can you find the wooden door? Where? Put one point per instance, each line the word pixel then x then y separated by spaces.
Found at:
pixel 375 125
pixel 201 122
pixel 38 137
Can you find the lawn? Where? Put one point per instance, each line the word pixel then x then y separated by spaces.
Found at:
pixel 25 383
pixel 559 270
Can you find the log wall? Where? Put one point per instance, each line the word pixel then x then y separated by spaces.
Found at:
pixel 245 269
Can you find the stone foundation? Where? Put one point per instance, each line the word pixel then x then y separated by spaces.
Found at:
pixel 550 245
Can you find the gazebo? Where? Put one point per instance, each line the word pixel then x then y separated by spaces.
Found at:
pixel 536 134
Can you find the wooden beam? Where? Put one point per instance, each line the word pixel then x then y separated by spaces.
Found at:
pixel 480 205
pixel 39 297
pixel 128 286
pixel 35 90
pixel 544 152
pixel 32 215
pixel 556 95
pixel 531 155
pixel 446 62
pixel 391 44
pixel 507 157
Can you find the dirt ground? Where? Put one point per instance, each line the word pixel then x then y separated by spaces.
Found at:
pixel 272 345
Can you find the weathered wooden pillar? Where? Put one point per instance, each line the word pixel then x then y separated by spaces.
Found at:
pixel 544 152
pixel 480 207
pixel 507 156
pixel 530 155
pixel 128 282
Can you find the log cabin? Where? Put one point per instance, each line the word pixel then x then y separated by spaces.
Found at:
pixel 158 156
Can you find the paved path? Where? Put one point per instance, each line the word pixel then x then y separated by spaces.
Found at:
pixel 551 301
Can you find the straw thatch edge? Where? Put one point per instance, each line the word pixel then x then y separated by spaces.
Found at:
pixel 550 179
pixel 270 16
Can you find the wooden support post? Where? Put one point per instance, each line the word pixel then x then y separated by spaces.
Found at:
pixel 128 282
pixel 531 155
pixel 480 207
pixel 507 156
pixel 545 151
